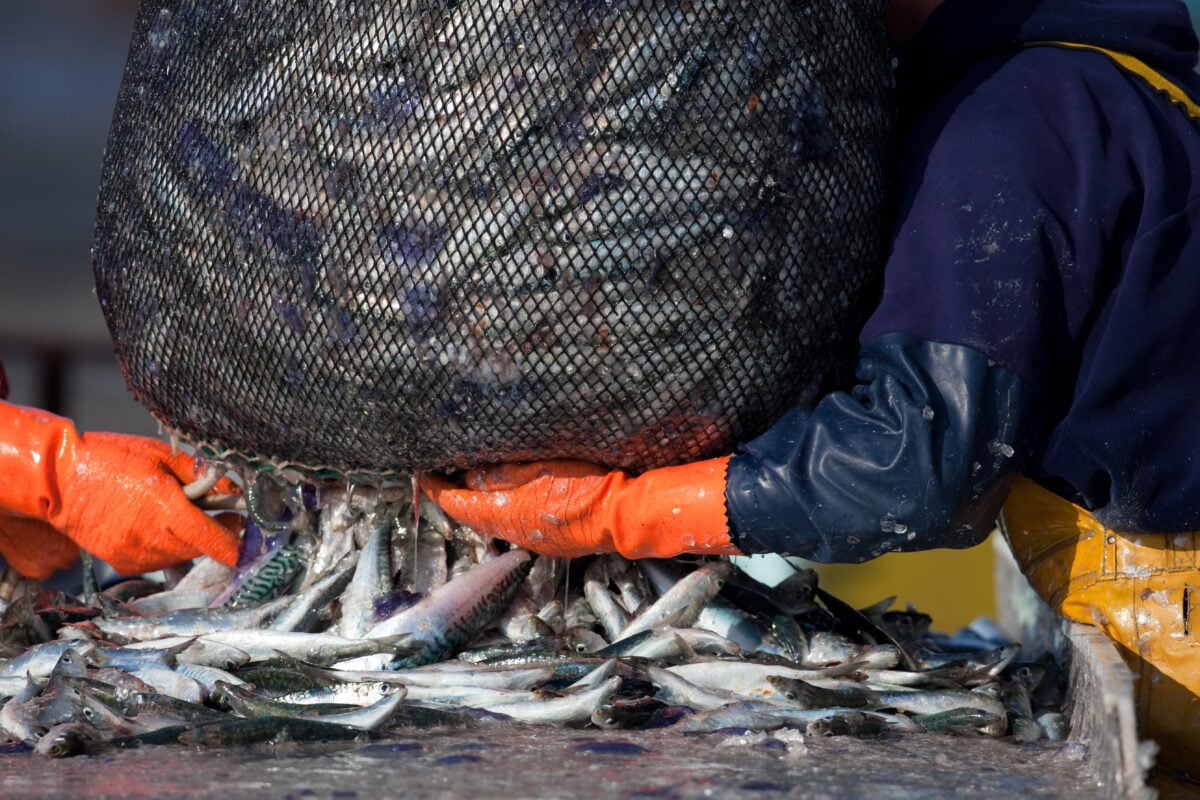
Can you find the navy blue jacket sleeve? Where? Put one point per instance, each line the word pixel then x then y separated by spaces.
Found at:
pixel 919 455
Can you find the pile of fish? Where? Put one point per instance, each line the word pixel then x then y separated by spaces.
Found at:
pixel 358 613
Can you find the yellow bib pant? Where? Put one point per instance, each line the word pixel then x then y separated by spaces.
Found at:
pixel 1142 590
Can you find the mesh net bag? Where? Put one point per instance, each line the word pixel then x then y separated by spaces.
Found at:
pixel 386 237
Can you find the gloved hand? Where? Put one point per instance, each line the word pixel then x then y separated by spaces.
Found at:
pixel 572 508
pixel 118 497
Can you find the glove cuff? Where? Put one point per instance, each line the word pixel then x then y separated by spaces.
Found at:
pixel 673 510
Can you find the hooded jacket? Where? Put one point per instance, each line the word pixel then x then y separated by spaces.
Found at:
pixel 1041 301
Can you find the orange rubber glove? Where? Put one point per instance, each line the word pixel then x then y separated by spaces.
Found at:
pixel 572 508
pixel 118 497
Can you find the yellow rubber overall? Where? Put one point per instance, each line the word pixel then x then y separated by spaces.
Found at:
pixel 1142 590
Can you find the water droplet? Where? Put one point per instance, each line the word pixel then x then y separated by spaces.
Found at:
pixel 998 448
pixel 536 536
pixel 677 511
pixel 927 413
pixel 687 540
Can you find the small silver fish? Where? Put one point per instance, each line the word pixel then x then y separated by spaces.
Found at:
pixel 570 709
pixel 456 612
pixel 675 690
pixel 67 739
pixel 372 580
pixel 681 605
pixel 595 588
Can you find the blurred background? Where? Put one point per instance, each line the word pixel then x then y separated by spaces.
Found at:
pixel 60 66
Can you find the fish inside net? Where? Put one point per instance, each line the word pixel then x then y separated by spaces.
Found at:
pixel 377 238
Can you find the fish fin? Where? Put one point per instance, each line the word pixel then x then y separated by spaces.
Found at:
pixel 876 609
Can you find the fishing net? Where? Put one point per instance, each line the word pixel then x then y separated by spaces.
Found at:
pixel 385 237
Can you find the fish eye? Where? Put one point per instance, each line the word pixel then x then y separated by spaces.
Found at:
pixel 790 695
pixel 386 688
pixel 89 713
pixel 580 647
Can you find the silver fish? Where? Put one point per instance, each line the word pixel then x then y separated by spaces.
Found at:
pixel 193 622
pixel 928 702
pixel 459 673
pixel 240 732
pixel 19 715
pixel 456 612
pixel 681 605
pixel 572 709
pixel 320 648
pixel 174 684
pixel 663 645
pixel 67 739
pixel 962 721
pixel 718 615
pixel 595 588
pixel 358 693
pixel 192 650
pixel 733 715
pixel 307 606
pixel 369 717
pixel 207 677
pixel 372 579
pixel 198 589
pixel 676 690
pixel 38 661
pixel 745 678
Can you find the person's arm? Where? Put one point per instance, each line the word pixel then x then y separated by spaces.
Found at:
pixel 118 497
pixel 919 455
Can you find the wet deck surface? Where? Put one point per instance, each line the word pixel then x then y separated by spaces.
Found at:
pixel 509 761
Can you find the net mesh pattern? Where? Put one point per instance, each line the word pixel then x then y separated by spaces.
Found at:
pixel 385 237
